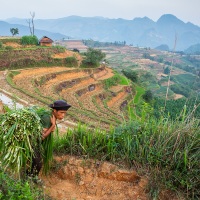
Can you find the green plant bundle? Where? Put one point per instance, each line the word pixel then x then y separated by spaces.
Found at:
pixel 48 153
pixel 20 134
pixel 20 131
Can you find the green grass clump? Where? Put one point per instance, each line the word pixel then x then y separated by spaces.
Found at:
pixel 13 189
pixel 168 151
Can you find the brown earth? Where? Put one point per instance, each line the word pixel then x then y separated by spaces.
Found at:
pixel 178 96
pixel 69 54
pixel 115 99
pixel 87 179
pixel 13 44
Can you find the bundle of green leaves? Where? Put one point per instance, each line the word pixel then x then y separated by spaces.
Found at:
pixel 20 132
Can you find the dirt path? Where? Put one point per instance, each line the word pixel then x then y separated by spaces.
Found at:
pixel 87 179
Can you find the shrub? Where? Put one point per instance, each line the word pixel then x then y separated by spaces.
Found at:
pixel 13 189
pixel 29 40
pixel 92 58
pixel 1 45
pixel 60 49
pixel 71 61
pixel 8 48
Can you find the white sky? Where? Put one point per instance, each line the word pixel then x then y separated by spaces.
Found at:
pixel 185 10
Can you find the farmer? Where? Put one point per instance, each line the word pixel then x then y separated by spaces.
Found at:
pixel 59 109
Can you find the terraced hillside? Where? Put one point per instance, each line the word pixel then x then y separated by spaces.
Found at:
pixel 92 103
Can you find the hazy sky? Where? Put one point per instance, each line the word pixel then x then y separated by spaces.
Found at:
pixel 186 10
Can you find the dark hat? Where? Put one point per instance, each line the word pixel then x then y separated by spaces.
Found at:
pixel 60 105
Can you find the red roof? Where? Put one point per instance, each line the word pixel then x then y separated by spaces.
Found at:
pixel 45 39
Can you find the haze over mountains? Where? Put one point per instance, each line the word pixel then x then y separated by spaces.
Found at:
pixel 138 32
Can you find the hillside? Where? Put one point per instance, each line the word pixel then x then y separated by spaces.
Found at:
pixel 122 149
pixel 100 96
pixel 142 32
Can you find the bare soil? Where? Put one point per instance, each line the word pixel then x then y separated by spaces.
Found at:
pixel 87 179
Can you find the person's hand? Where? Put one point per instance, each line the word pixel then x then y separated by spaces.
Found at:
pixel 53 121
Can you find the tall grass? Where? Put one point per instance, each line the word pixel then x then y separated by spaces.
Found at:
pixel 169 151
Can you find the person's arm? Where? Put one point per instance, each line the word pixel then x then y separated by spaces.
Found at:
pixel 47 131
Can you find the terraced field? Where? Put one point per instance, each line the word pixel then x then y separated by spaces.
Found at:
pixel 82 88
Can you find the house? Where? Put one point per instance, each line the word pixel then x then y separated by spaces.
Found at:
pixel 45 41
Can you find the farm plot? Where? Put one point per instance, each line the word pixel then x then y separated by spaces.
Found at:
pixel 79 87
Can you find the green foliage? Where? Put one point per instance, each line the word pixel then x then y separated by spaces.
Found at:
pixel 1 45
pixel 181 89
pixel 132 75
pixel 93 58
pixel 147 56
pixel 13 189
pixel 60 49
pixel 167 70
pixel 14 31
pixel 174 107
pixel 169 149
pixel 71 61
pixel 9 48
pixel 114 80
pixel 19 135
pixel 148 96
pixel 29 40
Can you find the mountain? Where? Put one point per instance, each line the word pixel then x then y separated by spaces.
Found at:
pixel 139 31
pixel 24 30
pixel 194 49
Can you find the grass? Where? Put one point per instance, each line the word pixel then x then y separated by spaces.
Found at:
pixel 124 80
pixel 168 151
pixel 139 92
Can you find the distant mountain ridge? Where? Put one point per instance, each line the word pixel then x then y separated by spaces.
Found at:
pixel 139 31
pixel 24 30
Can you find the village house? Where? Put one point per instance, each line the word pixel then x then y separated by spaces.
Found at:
pixel 45 41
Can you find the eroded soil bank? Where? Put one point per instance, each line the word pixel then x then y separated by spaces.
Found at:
pixel 75 178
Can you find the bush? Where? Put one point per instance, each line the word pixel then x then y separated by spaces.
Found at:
pixel 60 49
pixel 71 61
pixel 8 48
pixel 29 40
pixel 1 45
pixel 92 58
pixel 13 189
pixel 132 75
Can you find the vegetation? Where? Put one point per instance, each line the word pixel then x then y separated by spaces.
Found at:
pixel 71 61
pixel 167 150
pixel 132 75
pixel 93 58
pixel 148 96
pixel 14 189
pixel 14 31
pixel 20 134
pixel 29 40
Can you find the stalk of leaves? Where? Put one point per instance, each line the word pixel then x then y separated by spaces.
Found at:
pixel 20 132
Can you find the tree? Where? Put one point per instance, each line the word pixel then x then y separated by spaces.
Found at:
pixel 147 96
pixel 131 75
pixel 31 21
pixel 93 57
pixel 166 70
pixel 14 31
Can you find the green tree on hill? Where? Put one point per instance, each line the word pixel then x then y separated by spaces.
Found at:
pixel 14 31
pixel 166 70
pixel 132 75
pixel 147 96
pixel 93 57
